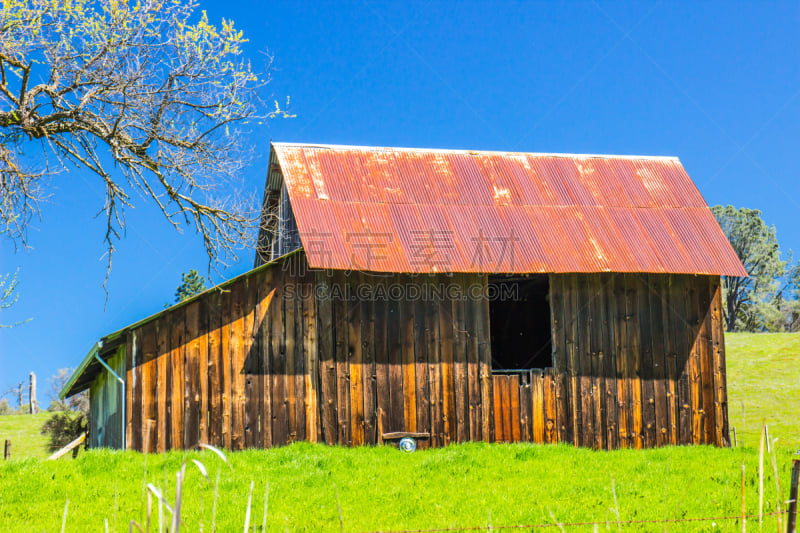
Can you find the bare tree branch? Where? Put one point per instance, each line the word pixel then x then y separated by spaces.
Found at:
pixel 151 86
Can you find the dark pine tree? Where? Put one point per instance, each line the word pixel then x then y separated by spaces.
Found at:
pixel 193 283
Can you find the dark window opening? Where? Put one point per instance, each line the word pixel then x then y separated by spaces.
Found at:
pixel 519 314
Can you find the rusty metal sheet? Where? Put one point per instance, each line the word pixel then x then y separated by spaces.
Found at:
pixel 407 210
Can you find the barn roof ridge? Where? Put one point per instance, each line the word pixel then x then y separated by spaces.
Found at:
pixel 467 151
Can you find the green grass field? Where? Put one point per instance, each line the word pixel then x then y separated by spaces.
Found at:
pixel 764 385
pixel 467 485
pixel 383 488
pixel 24 433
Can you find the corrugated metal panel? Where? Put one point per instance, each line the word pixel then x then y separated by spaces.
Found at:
pixel 402 210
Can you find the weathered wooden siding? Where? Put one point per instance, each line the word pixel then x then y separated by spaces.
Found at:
pixel 525 406
pixel 231 368
pixel 285 354
pixel 419 365
pixel 640 360
pixel 289 354
pixel 105 401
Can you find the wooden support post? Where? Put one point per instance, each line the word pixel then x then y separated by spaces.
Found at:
pixel 735 440
pixel 379 438
pixel 7 450
pixel 33 404
pixel 19 397
pixel 66 449
pixel 791 519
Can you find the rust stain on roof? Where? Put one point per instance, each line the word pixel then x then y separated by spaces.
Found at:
pixel 419 210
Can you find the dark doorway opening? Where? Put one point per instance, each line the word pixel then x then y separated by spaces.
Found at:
pixel 519 322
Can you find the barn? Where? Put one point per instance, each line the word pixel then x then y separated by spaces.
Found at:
pixel 444 295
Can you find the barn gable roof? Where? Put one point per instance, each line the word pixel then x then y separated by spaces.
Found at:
pixel 420 210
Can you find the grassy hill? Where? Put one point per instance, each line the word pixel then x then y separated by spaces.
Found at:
pixel 467 485
pixel 764 385
pixel 24 433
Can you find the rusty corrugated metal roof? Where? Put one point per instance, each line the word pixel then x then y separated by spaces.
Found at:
pixel 420 210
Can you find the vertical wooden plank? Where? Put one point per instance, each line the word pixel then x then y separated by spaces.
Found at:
pixel 266 294
pixel 558 321
pixel 648 401
pixel 449 416
pixel 131 391
pixel 718 353
pixel 498 407
pixel 289 354
pixel 622 346
pixel 368 374
pixel 586 292
pixel 162 364
pixel 409 364
pixel 610 344
pixel 706 358
pixel 149 390
pixel 341 331
pixel 421 335
pixel 226 367
pixel 633 289
pixel 460 367
pixel 250 365
pixel 383 400
pixel 298 373
pixel 695 343
pixel 327 358
pixel 312 361
pixel 680 306
pixel 191 404
pixel 177 384
pixel 473 368
pixel 395 335
pixel 277 351
pixel 572 341
pixel 597 353
pixel 670 357
pixel 485 360
pixel 505 406
pixel 514 407
pixel 659 377
pixel 525 409
pixel 238 352
pixel 214 366
pixel 434 362
pixel 202 369
pixel 354 348
pixel 550 433
pixel 537 406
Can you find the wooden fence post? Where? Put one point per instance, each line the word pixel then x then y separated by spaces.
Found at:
pixel 791 519
pixel 33 404
pixel 7 450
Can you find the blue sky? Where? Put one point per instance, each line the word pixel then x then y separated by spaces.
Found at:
pixel 716 84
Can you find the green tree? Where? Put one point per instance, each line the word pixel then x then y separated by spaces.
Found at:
pixel 752 303
pixel 192 284
pixel 148 96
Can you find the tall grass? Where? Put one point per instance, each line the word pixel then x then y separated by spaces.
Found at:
pixel 320 488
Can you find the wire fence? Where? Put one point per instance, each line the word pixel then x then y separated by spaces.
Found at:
pixel 611 524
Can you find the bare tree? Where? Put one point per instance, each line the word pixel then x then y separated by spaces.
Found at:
pixel 76 402
pixel 149 89
pixel 9 296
